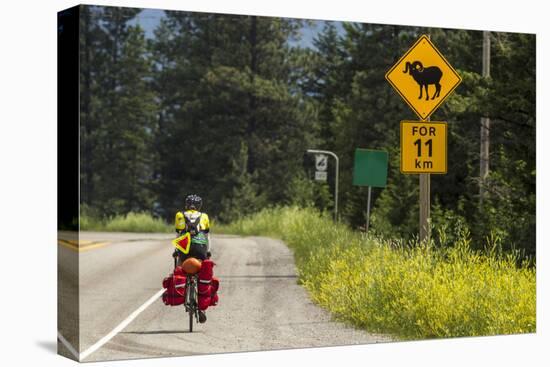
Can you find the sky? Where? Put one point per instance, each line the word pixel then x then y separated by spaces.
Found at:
pixel 149 19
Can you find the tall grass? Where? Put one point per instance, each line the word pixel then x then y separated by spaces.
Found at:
pixel 412 291
pixel 131 222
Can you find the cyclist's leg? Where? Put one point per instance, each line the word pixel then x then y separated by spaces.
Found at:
pixel 199 250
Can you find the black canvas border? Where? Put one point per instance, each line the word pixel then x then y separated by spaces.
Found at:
pixel 68 181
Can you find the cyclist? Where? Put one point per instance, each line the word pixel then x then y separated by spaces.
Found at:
pixel 195 222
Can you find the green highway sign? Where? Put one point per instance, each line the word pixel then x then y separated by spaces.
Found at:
pixel 370 168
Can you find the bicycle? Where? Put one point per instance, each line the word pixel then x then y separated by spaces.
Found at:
pixel 191 302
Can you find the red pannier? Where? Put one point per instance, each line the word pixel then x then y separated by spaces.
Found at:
pixel 214 295
pixel 208 285
pixel 174 284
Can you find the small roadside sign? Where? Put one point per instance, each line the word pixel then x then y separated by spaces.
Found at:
pixel 321 162
pixel 423 77
pixel 320 176
pixel 423 147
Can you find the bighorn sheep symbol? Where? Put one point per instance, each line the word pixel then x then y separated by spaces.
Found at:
pixel 425 76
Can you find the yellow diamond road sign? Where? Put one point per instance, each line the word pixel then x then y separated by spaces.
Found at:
pixel 423 147
pixel 423 78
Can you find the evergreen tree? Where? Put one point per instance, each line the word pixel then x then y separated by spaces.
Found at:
pixel 234 74
pixel 118 112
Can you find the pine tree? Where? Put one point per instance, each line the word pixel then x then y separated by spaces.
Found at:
pixel 234 89
pixel 117 112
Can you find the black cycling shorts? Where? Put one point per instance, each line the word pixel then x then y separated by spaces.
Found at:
pixel 198 251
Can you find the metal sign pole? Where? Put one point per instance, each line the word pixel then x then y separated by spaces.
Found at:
pixel 336 179
pixel 368 210
pixel 336 191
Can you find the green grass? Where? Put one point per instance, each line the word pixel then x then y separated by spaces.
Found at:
pixel 411 291
pixel 131 222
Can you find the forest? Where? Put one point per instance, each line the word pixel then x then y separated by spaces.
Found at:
pixel 225 106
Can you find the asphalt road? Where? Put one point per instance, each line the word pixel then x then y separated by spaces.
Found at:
pixel 261 305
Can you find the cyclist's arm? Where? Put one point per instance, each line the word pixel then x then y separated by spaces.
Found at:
pixel 206 229
pixel 179 222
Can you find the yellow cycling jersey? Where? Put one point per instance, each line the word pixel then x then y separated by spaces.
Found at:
pixel 204 224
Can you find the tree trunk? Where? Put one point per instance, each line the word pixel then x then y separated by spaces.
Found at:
pixel 251 129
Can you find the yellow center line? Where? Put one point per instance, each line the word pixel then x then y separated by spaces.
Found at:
pixel 82 245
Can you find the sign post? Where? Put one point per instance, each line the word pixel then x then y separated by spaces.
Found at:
pixel 425 204
pixel 370 169
pixel 424 79
pixel 368 209
pixel 320 161
pixel 321 165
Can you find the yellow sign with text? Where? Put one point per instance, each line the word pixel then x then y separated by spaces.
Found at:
pixel 423 147
pixel 423 77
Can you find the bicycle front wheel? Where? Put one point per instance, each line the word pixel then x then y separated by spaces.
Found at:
pixel 192 303
pixel 189 308
pixel 191 321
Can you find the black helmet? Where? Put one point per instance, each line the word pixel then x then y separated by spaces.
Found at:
pixel 193 202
